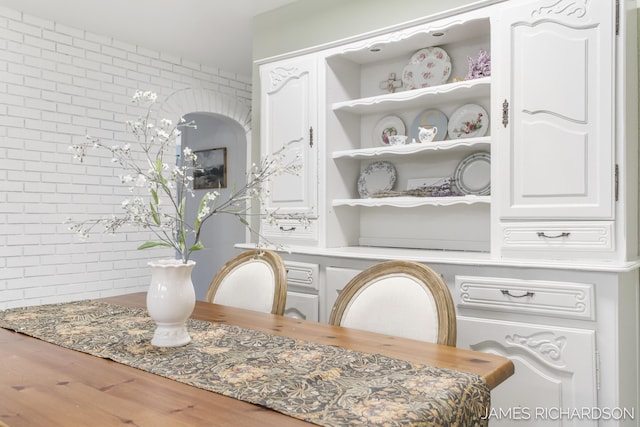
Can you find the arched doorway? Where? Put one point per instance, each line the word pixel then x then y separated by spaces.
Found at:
pixel 222 122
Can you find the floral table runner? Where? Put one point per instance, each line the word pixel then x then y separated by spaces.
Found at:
pixel 321 384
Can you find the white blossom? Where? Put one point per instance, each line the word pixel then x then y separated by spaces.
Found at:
pixel 159 189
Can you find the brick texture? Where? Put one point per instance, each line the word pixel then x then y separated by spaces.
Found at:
pixel 58 84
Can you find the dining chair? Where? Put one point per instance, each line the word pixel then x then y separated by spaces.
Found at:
pixel 255 279
pixel 400 298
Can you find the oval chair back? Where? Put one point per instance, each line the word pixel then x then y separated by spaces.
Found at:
pixel 255 280
pixel 399 298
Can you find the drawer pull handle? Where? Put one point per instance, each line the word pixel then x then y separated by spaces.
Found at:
pixel 543 234
pixel 508 293
pixel 287 228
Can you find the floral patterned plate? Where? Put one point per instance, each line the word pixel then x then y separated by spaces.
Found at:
pixel 427 67
pixel 377 176
pixel 468 121
pixel 386 127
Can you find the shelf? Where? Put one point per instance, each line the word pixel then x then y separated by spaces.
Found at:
pixel 406 41
pixel 412 149
pixel 451 92
pixel 412 202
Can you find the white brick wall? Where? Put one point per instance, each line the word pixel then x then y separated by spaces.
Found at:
pixel 56 85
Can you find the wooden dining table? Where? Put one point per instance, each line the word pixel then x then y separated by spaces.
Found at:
pixel 43 384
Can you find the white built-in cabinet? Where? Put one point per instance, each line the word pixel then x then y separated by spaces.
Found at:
pixel 558 364
pixel 557 151
pixel 303 300
pixel 557 143
pixel 289 106
pixel 544 269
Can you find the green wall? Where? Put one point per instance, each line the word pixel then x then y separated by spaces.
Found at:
pixel 307 23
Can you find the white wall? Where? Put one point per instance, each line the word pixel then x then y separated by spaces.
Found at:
pixel 220 233
pixel 57 84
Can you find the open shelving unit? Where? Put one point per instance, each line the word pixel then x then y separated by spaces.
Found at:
pixel 355 103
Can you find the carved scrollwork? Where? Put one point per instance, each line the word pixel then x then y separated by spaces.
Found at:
pixel 280 75
pixel 545 345
pixel 570 8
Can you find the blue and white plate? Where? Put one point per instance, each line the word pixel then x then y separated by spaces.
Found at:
pixel 430 118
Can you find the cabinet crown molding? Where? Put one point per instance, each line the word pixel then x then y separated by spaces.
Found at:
pixel 569 8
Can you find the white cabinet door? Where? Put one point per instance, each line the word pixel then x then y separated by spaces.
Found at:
pixel 289 118
pixel 553 111
pixel 302 306
pixel 336 279
pixel 555 370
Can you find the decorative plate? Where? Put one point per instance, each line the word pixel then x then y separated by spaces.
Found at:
pixel 473 175
pixel 430 118
pixel 387 126
pixel 468 121
pixel 427 67
pixel 378 176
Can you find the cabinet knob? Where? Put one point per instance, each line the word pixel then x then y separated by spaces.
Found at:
pixel 287 228
pixel 311 136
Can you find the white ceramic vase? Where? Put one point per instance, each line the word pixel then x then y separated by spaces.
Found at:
pixel 170 301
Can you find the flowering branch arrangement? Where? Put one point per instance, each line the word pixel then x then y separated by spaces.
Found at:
pixel 479 67
pixel 160 191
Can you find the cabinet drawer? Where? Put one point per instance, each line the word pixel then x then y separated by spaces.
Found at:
pixel 290 231
pixel 558 299
pixel 567 237
pixel 302 275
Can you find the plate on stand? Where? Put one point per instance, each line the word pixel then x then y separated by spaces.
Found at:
pixel 468 121
pixel 473 175
pixel 377 176
pixel 430 118
pixel 427 67
pixel 387 126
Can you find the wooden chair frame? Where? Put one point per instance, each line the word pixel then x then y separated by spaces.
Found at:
pixel 272 259
pixel 445 308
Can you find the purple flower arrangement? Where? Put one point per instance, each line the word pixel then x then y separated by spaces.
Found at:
pixel 479 67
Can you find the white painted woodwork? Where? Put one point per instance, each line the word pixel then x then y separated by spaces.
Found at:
pixel 303 301
pixel 562 238
pixel 550 298
pixel 289 103
pixel 557 75
pixel 336 279
pixel 302 306
pixel 554 368
pixel 551 234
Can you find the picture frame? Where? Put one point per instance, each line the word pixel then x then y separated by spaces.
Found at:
pixel 210 169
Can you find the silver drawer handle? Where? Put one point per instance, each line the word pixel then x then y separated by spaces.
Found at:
pixel 543 234
pixel 287 228
pixel 508 293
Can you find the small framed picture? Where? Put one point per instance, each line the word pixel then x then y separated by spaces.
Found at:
pixel 210 169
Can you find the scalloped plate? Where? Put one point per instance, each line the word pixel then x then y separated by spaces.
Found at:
pixel 427 67
pixel 377 176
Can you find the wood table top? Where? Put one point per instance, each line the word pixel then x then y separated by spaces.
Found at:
pixel 42 384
